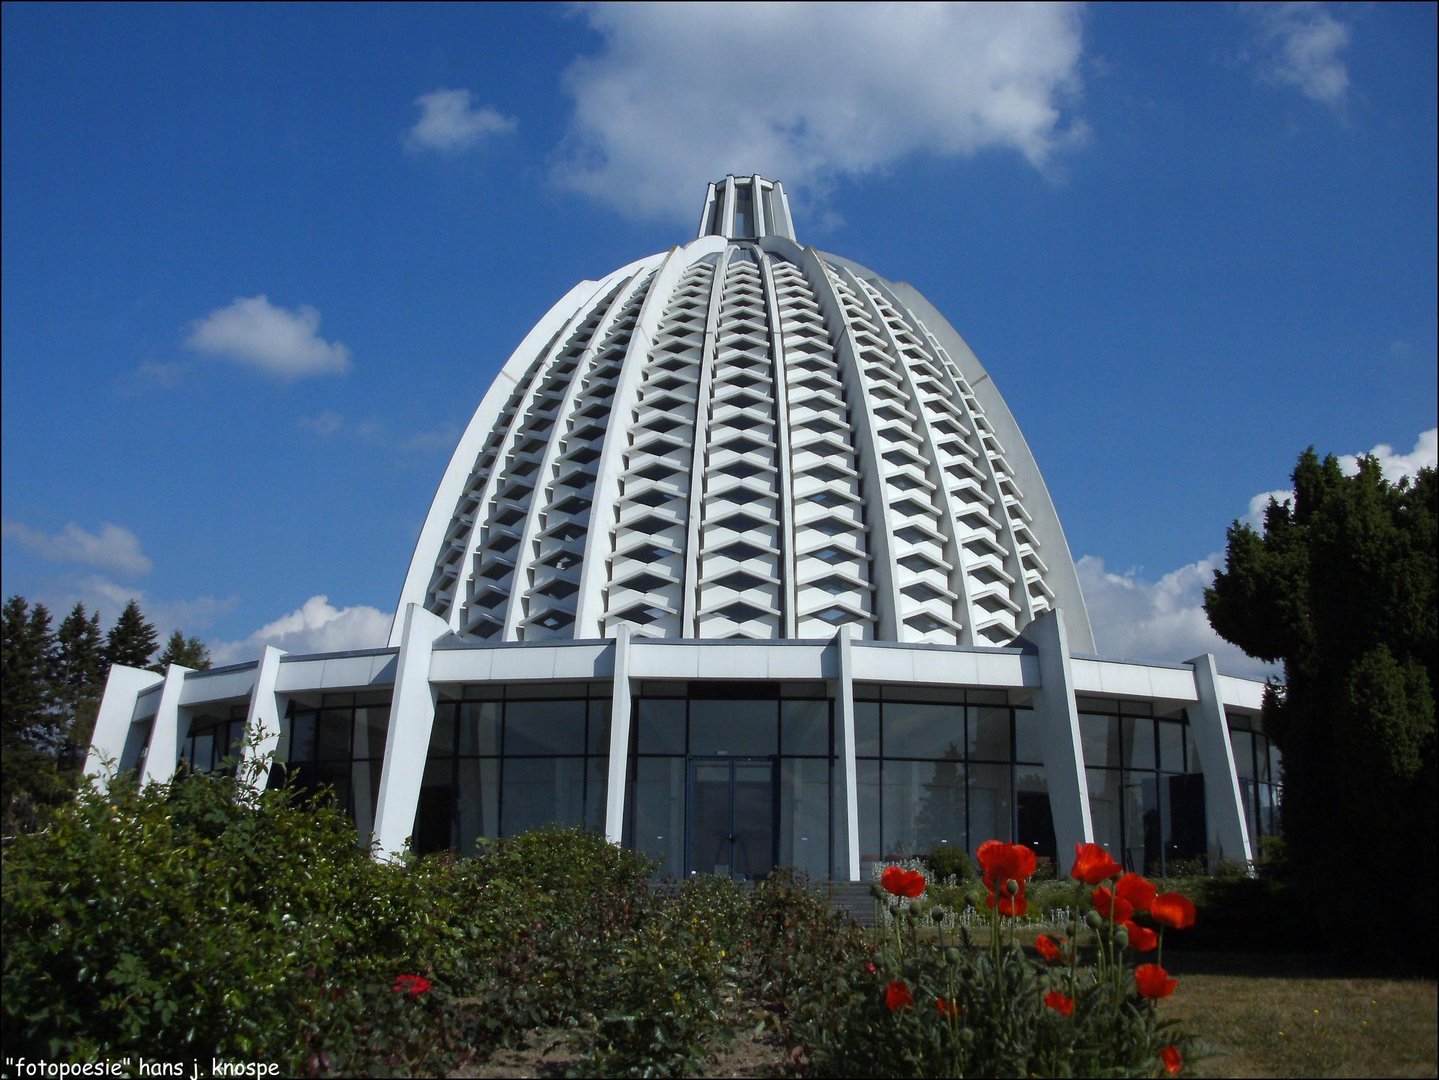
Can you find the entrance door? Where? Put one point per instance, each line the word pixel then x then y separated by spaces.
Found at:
pixel 732 817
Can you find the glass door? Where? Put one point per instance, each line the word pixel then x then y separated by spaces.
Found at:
pixel 732 817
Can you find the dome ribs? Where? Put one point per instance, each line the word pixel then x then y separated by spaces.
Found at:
pixel 646 562
pixel 556 532
pixel 738 474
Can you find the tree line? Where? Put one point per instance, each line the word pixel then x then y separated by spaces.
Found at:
pixel 53 679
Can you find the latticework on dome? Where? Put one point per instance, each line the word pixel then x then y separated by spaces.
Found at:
pixel 743 437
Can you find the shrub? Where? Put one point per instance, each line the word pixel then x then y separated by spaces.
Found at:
pixel 949 861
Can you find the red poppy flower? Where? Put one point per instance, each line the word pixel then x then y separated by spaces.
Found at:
pixel 898 881
pixel 869 967
pixel 412 985
pixel 948 1008
pixel 897 996
pixel 1172 1059
pixel 1003 863
pixel 1048 948
pixel 1141 938
pixel 1060 1003
pixel 1139 891
pixel 1153 981
pixel 1092 864
pixel 1111 906
pixel 1173 910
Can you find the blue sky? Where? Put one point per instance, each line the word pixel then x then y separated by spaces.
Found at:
pixel 260 263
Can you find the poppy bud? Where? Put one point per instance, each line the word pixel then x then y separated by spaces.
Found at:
pixel 966 1035
pixel 1094 920
pixel 952 955
pixel 1121 938
pixel 1011 886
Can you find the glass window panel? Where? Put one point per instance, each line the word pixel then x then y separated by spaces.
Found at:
pixel 742 727
pixel 803 690
pixel 1183 817
pixel 434 814
pixel 866 729
pixel 867 796
pixel 442 733
pixel 658 812
pixel 986 697
pixel 1034 818
pixel 544 727
pixel 939 814
pixel 1099 736
pixel 947 695
pixel 1243 744
pixel 478 803
pixel 1138 743
pixel 1171 746
pixel 923 730
pixel 282 748
pixel 598 739
pixel 661 726
pixel 202 751
pixel 1028 742
pixel 804 728
pixel 1141 823
pixel 991 814
pixel 866 691
pixel 536 792
pixel 546 690
pixel 1104 803
pixel 804 804
pixel 988 734
pixel 302 741
pixel 596 783
pixel 1261 757
pixel 480 729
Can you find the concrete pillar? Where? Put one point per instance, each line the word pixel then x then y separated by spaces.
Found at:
pixel 262 719
pixel 1059 728
pixel 842 687
pixel 615 789
pixel 412 716
pixel 164 752
pixel 123 687
pixel 1228 834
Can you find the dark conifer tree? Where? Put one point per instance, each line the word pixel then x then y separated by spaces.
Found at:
pixel 1343 587
pixel 78 680
pixel 132 640
pixel 187 652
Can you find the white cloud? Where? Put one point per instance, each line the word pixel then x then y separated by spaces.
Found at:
pixel 450 121
pixel 681 94
pixel 1161 621
pixel 323 424
pixel 254 332
pixel 113 548
pixel 1299 45
pixel 315 626
pixel 1393 465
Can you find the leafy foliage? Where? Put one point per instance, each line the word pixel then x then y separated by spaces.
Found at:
pixel 1343 587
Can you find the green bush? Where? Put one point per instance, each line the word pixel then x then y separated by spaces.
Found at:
pixel 949 861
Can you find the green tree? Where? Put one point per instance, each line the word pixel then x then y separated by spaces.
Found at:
pixel 1343 588
pixel 132 640
pixel 29 778
pixel 188 652
pixel 78 680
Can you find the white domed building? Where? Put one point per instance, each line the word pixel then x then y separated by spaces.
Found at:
pixel 743 561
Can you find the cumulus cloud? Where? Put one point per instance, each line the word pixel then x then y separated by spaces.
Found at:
pixel 680 94
pixel 1300 45
pixel 323 424
pixel 315 626
pixel 450 121
pixel 1161 621
pixel 1393 464
pixel 254 332
pixel 113 548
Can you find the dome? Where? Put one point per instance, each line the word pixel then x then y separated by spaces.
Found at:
pixel 743 437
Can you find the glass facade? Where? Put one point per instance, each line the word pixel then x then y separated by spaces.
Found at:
pixel 338 742
pixel 215 738
pixel 947 766
pixel 505 760
pixel 1257 763
pixel 1146 795
pixel 734 778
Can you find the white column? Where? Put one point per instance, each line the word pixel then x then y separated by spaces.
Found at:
pixel 262 717
pixel 843 689
pixel 123 687
pixel 412 715
pixel 164 752
pixel 619 738
pixel 1228 835
pixel 1059 729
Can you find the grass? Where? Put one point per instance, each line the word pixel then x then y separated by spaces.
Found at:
pixel 1291 1015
